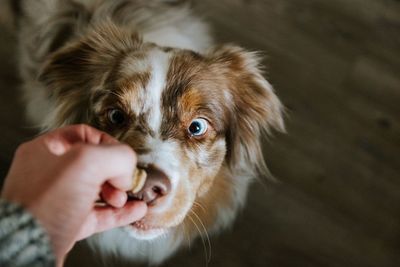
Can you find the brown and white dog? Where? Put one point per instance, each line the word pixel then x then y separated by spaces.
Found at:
pixel 146 72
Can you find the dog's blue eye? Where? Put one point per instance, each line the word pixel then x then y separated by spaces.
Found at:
pixel 198 127
pixel 116 116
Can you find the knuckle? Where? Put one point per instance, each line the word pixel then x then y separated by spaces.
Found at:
pixel 85 127
pixel 81 128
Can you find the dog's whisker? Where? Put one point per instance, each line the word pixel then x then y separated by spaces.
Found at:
pixel 201 236
pixel 206 234
pixel 186 234
pixel 197 204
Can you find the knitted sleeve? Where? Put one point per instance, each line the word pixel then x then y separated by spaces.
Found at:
pixel 23 242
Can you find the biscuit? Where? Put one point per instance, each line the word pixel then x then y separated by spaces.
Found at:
pixel 138 181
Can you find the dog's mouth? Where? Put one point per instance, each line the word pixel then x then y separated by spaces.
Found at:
pixel 141 230
pixel 167 205
pixel 154 191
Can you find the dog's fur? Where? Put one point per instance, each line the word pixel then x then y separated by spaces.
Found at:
pixel 154 62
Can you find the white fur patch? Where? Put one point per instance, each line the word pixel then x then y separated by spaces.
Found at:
pixel 116 243
pixel 159 62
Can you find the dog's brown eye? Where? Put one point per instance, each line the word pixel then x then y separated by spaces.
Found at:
pixel 116 116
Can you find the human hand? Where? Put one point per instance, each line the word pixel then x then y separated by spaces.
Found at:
pixel 58 177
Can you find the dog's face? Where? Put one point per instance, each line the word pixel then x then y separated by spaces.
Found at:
pixel 194 118
pixel 164 105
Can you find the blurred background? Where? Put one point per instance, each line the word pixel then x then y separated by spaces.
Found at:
pixel 336 67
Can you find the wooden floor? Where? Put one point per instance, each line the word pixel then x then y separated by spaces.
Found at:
pixel 336 67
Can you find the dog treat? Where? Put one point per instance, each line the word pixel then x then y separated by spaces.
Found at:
pixel 139 179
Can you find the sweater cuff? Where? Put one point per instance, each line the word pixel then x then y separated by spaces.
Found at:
pixel 23 242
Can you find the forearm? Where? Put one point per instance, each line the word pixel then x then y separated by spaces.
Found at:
pixel 23 242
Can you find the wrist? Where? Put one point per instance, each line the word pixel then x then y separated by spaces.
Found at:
pixel 22 238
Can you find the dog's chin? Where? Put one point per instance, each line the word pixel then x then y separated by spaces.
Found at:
pixel 140 232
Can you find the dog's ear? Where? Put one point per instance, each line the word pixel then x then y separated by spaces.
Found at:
pixel 254 106
pixel 73 72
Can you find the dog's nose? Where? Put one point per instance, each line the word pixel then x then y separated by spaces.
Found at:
pixel 157 185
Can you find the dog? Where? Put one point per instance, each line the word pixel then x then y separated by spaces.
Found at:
pixel 148 73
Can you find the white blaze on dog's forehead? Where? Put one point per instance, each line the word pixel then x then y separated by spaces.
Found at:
pixel 158 62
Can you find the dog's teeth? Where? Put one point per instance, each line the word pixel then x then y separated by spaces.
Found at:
pixel 139 179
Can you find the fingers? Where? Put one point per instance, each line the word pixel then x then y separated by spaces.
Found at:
pixel 106 218
pixel 106 163
pixel 112 196
pixel 65 139
pixel 61 140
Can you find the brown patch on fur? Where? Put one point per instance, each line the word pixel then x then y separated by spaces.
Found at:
pixel 136 140
pixel 255 106
pixel 177 83
pixel 75 71
pixel 168 218
pixel 122 92
pixel 189 94
pixel 205 209
pixel 130 89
